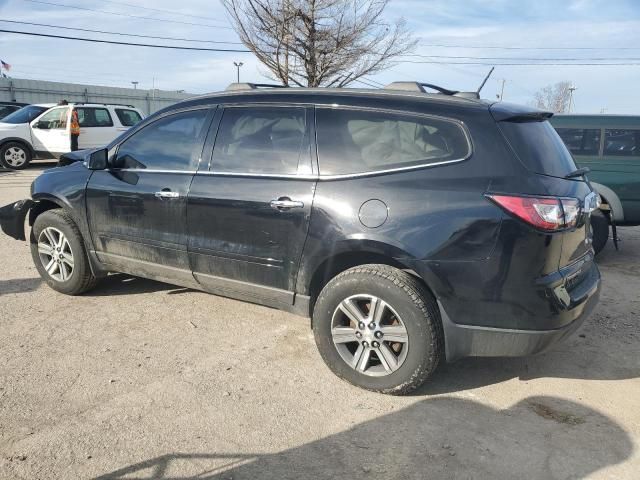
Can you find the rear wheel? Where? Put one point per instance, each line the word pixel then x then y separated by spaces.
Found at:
pixel 378 328
pixel 600 229
pixel 59 253
pixel 15 155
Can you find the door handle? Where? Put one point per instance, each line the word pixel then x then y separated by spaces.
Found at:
pixel 285 203
pixel 167 194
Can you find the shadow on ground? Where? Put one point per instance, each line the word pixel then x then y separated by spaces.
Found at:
pixel 19 285
pixel 121 284
pixel 540 437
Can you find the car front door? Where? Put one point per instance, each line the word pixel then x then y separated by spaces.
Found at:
pixel 248 214
pixel 137 207
pixel 50 133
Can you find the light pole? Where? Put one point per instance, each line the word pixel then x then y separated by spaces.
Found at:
pixel 238 65
pixel 571 90
pixel 135 85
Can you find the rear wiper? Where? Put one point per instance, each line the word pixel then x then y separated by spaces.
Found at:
pixel 581 172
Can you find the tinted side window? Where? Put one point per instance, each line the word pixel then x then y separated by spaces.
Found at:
pixel 358 141
pixel 94 117
pixel 260 140
pixel 128 118
pixel 6 110
pixel 581 141
pixel 171 143
pixel 622 142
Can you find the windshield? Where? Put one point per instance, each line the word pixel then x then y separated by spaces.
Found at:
pixel 25 114
pixel 539 147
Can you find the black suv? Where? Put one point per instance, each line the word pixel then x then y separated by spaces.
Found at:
pixel 409 226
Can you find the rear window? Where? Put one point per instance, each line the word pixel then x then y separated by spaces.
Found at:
pixel 128 118
pixel 539 147
pixel 362 141
pixel 581 141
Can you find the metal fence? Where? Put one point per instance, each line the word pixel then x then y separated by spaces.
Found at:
pixel 39 91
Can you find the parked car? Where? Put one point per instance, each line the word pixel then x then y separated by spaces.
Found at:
pixel 7 108
pixel 609 145
pixel 48 136
pixel 410 227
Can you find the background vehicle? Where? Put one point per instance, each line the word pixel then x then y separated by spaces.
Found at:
pixel 610 146
pixel 48 135
pixel 411 227
pixel 7 108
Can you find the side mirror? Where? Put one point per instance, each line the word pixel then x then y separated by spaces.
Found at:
pixel 97 160
pixel 40 124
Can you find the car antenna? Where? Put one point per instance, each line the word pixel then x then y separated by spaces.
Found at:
pixel 485 80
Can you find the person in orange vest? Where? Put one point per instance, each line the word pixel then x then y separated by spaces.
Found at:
pixel 75 130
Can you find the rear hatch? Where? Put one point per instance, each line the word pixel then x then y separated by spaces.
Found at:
pixel 541 150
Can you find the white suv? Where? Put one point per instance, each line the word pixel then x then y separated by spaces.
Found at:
pixel 48 135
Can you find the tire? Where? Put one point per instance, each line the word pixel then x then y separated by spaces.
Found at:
pixel 600 229
pixel 406 304
pixel 46 232
pixel 15 155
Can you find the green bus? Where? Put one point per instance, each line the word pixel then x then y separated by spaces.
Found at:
pixel 610 146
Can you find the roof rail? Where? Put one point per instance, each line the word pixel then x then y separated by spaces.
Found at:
pixel 421 87
pixel 105 104
pixel 253 86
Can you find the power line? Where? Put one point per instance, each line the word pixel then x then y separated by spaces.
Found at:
pixel 158 10
pixel 118 33
pixel 436 62
pixel 95 40
pixel 498 47
pixel 139 17
pixel 602 59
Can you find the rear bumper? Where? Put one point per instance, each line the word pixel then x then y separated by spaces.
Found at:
pixel 481 341
pixel 12 218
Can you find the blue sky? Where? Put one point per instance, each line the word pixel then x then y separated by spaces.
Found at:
pixel 467 25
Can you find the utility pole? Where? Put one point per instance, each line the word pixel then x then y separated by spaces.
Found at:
pixel 135 85
pixel 502 90
pixel 238 65
pixel 571 90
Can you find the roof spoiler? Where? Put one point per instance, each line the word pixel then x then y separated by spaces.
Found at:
pixel 509 112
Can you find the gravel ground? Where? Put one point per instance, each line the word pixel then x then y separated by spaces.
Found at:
pixel 139 379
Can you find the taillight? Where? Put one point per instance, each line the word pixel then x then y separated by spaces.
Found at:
pixel 545 213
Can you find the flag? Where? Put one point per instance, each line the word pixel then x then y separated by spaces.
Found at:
pixel 5 65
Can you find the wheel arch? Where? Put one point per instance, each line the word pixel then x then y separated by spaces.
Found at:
pixel 21 141
pixel 609 196
pixel 353 255
pixel 43 204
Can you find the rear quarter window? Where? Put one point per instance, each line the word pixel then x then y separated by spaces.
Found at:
pixel 362 141
pixel 622 142
pixel 539 147
pixel 128 118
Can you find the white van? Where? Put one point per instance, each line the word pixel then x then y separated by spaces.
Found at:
pixel 48 135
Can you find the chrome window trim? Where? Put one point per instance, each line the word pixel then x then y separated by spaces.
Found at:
pixel 150 170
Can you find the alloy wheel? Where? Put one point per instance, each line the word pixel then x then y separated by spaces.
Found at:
pixel 55 254
pixel 369 335
pixel 15 156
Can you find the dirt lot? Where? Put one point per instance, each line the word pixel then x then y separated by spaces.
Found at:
pixel 139 379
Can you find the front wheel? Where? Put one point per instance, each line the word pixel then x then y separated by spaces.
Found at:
pixel 378 328
pixel 59 253
pixel 15 156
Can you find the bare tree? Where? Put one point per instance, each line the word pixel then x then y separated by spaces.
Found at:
pixel 320 42
pixel 554 98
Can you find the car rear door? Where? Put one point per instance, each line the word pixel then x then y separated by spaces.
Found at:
pixel 97 127
pixel 248 210
pixel 136 208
